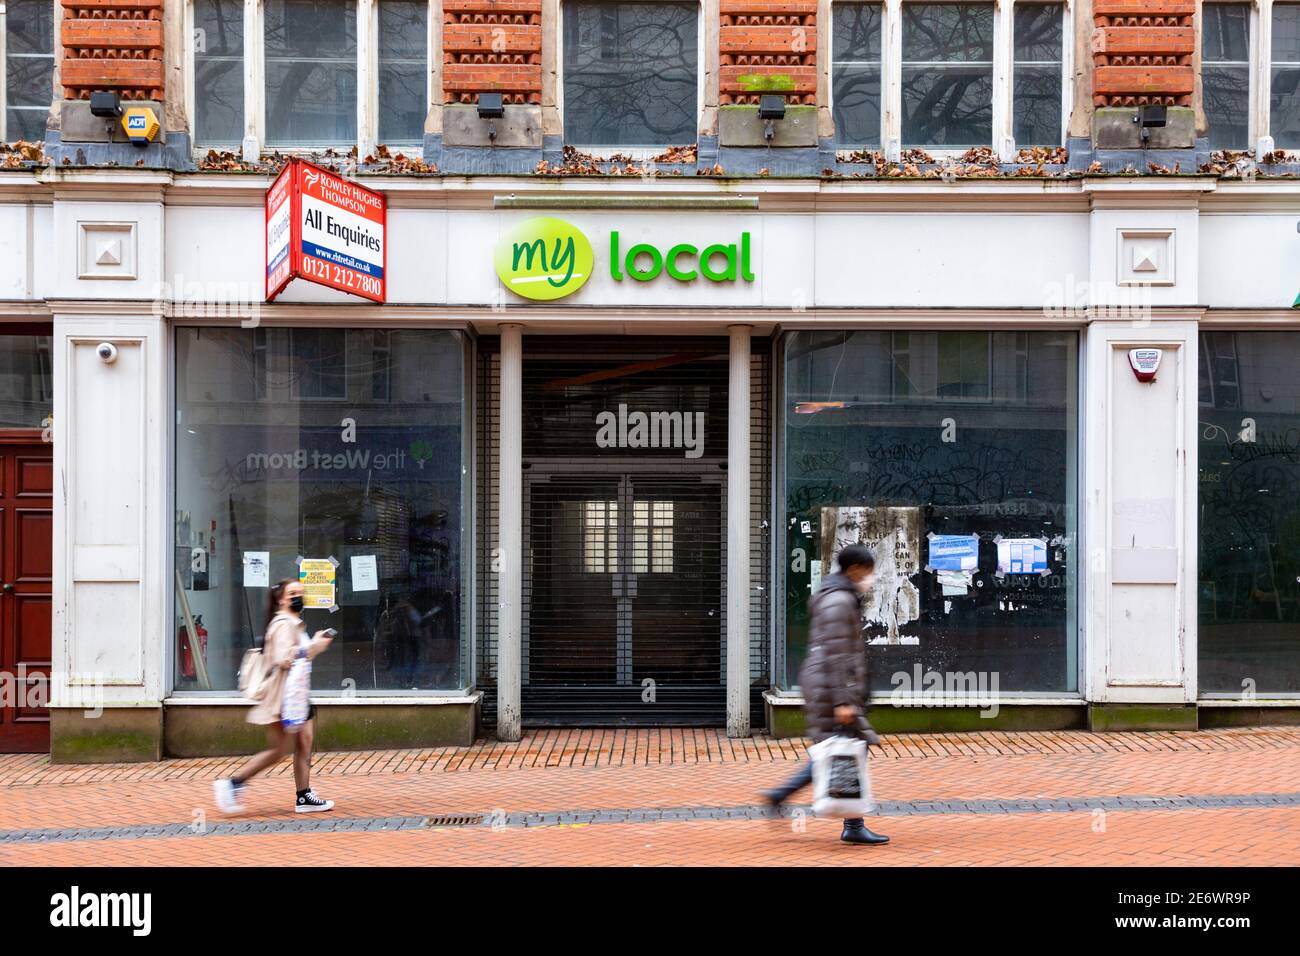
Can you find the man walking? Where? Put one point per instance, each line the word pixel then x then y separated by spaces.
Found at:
pixel 834 674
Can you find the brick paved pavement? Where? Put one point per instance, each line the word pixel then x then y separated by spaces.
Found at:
pixel 567 771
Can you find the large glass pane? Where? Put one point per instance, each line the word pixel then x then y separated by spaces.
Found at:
pixel 631 73
pixel 29 68
pixel 218 72
pixel 403 71
pixel 1037 78
pixel 947 74
pixel 1225 72
pixel 1285 90
pixel 26 381
pixel 856 73
pixel 286 448
pixel 953 455
pixel 1248 586
pixel 311 72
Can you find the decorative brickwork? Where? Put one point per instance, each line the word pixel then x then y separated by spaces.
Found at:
pixel 114 45
pixel 1142 52
pixel 492 46
pixel 768 46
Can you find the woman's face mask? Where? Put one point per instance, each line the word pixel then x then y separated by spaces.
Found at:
pixel 295 603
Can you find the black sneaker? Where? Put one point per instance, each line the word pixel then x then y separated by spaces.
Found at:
pixel 310 803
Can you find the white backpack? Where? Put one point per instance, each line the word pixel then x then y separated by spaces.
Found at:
pixel 254 674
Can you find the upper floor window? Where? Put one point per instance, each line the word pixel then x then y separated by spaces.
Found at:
pixel 1225 73
pixel 934 71
pixel 947 74
pixel 631 73
pixel 28 50
pixel 314 90
pixel 1284 95
pixel 1038 74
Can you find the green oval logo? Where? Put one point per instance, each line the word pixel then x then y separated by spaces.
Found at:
pixel 544 259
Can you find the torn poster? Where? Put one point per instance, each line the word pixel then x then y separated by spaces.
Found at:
pixel 894 536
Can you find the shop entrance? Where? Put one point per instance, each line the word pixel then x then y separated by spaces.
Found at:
pixel 623 599
pixel 624 534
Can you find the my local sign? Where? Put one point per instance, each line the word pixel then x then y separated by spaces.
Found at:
pixel 546 259
pixel 325 229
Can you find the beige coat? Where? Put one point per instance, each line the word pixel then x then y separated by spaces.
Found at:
pixel 279 648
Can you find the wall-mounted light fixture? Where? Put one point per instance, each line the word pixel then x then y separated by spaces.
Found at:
pixel 1149 118
pixel 771 109
pixel 491 108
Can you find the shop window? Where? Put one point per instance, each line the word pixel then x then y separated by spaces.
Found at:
pixel 1225 73
pixel 319 368
pixel 403 71
pixel 310 57
pixel 947 74
pixel 856 64
pixel 962 478
pixel 219 73
pixel 652 537
pixel 1248 588
pixel 260 484
pixel 28 68
pixel 630 73
pixel 26 381
pixel 1038 75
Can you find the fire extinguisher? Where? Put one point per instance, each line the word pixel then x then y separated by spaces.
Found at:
pixel 187 656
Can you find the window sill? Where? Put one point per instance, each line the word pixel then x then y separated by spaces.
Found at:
pixel 424 699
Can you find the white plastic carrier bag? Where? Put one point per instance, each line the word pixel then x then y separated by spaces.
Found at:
pixel 841 784
pixel 297 695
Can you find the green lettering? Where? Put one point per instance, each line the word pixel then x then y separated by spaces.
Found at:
pixel 530 249
pixel 563 258
pixel 671 261
pixel 613 257
pixel 644 249
pixel 706 258
pixel 746 272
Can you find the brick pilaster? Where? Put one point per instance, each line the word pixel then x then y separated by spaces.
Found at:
pixel 114 45
pixel 1142 52
pixel 768 45
pixel 492 46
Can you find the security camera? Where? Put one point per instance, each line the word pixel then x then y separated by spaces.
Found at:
pixel 107 352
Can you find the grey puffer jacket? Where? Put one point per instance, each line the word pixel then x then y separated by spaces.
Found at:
pixel 835 671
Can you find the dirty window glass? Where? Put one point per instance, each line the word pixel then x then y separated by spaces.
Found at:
pixel 1285 95
pixel 1037 77
pixel 29 68
pixel 1248 587
pixel 311 72
pixel 370 479
pixel 953 456
pixel 630 73
pixel 403 71
pixel 26 381
pixel 218 72
pixel 947 74
pixel 856 73
pixel 1225 72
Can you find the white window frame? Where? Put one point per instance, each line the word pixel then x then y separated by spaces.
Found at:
pixel 255 76
pixel 701 70
pixel 55 15
pixel 1003 126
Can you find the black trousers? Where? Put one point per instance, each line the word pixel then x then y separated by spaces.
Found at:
pixel 802 778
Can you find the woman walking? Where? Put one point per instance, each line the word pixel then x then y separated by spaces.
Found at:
pixel 286 642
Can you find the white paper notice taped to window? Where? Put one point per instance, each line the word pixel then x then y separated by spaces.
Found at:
pixel 257 569
pixel 365 575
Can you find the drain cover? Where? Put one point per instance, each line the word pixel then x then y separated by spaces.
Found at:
pixel 455 821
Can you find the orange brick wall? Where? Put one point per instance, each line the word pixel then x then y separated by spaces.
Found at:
pixel 1142 52
pixel 492 46
pixel 112 45
pixel 768 38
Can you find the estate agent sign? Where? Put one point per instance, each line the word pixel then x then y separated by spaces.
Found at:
pixel 325 229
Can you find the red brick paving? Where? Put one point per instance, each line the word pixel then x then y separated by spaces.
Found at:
pixel 571 770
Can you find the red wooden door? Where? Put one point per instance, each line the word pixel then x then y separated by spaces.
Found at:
pixel 26 561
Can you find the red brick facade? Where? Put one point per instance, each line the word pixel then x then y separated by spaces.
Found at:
pixel 1142 52
pixel 112 45
pixel 492 46
pixel 768 46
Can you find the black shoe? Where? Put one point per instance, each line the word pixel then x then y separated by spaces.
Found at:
pixel 863 836
pixel 775 799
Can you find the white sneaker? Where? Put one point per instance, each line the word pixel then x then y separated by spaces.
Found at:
pixel 227 796
pixel 310 803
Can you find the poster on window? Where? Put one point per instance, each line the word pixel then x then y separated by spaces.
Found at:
pixel 318 577
pixel 325 229
pixel 894 537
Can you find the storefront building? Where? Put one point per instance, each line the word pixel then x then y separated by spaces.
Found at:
pixel 640 356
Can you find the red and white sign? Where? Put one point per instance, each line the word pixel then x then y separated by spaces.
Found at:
pixel 325 229
pixel 1145 363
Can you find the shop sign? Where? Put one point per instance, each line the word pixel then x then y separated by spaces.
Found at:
pixel 546 259
pixel 327 230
